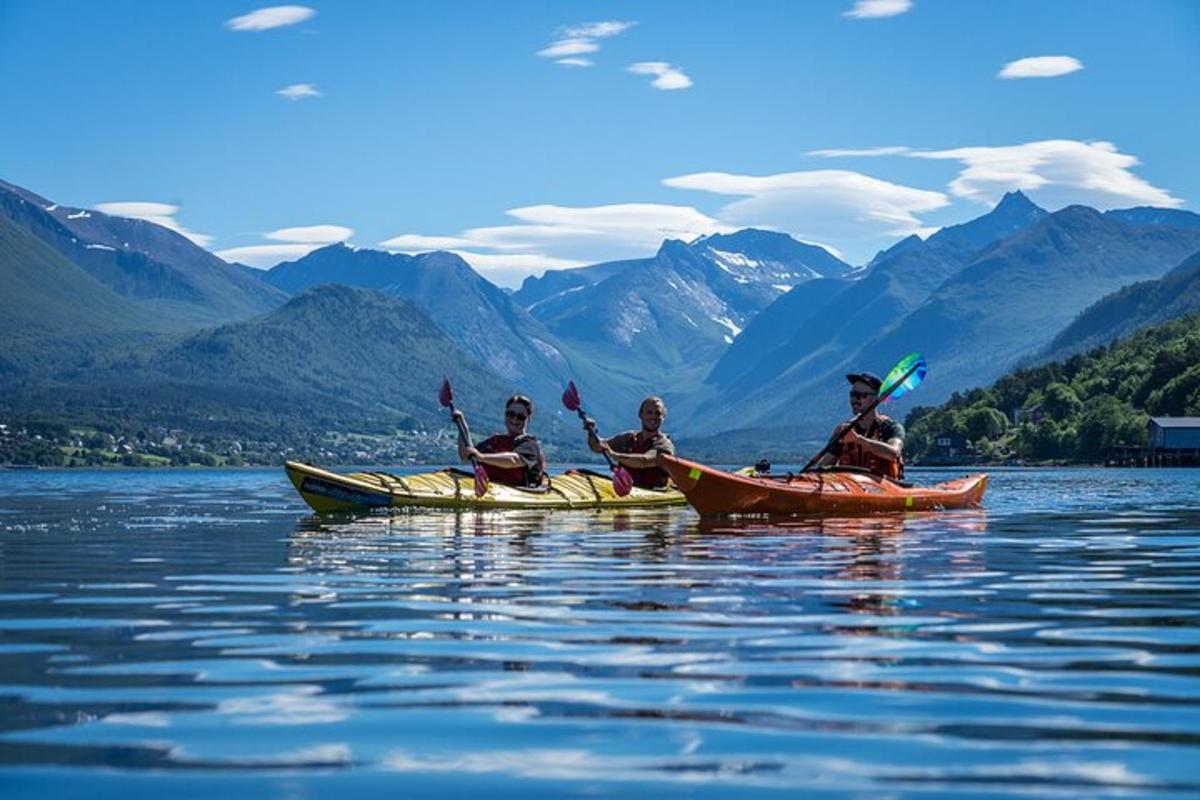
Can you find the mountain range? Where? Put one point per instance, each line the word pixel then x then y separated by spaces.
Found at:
pixel 1130 308
pixel 160 269
pixel 478 317
pixel 1003 305
pixel 825 331
pixel 747 333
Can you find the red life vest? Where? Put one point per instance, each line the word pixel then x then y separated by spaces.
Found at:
pixel 511 476
pixel 854 455
pixel 643 477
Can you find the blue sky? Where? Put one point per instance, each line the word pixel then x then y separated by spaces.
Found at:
pixel 440 125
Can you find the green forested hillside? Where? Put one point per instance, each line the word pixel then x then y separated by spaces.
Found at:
pixel 1135 306
pixel 1077 409
pixel 331 360
pixel 52 313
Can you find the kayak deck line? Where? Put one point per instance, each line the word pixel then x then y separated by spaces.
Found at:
pixel 846 493
pixel 326 491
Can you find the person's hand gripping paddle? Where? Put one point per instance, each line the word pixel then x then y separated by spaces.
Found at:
pixel 622 480
pixel 904 377
pixel 446 398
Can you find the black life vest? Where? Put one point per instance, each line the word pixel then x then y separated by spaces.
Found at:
pixel 854 455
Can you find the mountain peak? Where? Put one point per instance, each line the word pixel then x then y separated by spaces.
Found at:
pixel 1015 201
pixel 747 236
pixel 676 247
pixel 443 259
pixel 1076 213
pixel 964 241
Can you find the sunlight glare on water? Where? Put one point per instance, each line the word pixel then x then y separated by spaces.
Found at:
pixel 198 632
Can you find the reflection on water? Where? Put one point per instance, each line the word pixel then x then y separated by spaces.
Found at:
pixel 202 632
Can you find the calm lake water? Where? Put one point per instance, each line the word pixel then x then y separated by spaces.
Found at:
pixel 200 632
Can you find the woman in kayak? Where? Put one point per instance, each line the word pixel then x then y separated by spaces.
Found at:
pixel 638 451
pixel 514 458
pixel 876 443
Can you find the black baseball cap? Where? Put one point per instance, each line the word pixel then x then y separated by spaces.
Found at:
pixel 869 378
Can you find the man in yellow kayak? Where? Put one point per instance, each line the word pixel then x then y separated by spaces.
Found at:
pixel 876 443
pixel 513 458
pixel 638 451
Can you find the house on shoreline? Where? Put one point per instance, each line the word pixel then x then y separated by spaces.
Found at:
pixel 1171 442
pixel 1175 441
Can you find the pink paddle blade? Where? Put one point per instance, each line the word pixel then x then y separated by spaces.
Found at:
pixel 622 481
pixel 570 397
pixel 481 481
pixel 446 395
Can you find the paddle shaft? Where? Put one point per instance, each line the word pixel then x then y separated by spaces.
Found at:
pixel 591 428
pixel 462 433
pixel 861 415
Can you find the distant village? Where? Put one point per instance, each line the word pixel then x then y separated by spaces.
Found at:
pixel 50 444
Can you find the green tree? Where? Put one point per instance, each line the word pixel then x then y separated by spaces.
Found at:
pixel 1179 396
pixel 1106 422
pixel 1060 402
pixel 984 422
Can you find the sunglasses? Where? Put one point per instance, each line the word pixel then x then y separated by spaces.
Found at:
pixel 861 395
pixel 518 416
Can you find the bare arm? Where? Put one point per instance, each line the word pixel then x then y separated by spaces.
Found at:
pixel 890 450
pixel 640 460
pixel 499 459
pixel 637 460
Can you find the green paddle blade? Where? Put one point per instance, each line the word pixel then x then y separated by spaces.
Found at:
pixel 905 376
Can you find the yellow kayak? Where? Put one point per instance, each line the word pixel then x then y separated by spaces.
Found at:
pixel 328 491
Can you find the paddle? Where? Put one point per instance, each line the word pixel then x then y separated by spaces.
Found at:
pixel 903 378
pixel 622 480
pixel 446 398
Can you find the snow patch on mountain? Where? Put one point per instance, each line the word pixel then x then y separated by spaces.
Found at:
pixel 724 257
pixel 728 323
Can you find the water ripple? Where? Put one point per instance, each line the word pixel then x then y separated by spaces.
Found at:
pixel 204 625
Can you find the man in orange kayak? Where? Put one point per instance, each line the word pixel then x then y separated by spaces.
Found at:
pixel 638 451
pixel 514 458
pixel 876 443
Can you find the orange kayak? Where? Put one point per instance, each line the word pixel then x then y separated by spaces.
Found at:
pixel 836 492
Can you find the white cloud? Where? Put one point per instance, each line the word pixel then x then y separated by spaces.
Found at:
pixel 299 91
pixel 312 234
pixel 578 40
pixel 1040 67
pixel 667 77
pixel 1056 172
pixel 860 152
pixel 569 47
pixel 297 243
pixel 876 9
pixel 596 30
pixel 265 256
pixel 265 19
pixel 417 243
pixel 564 236
pixel 159 213
pixel 841 207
